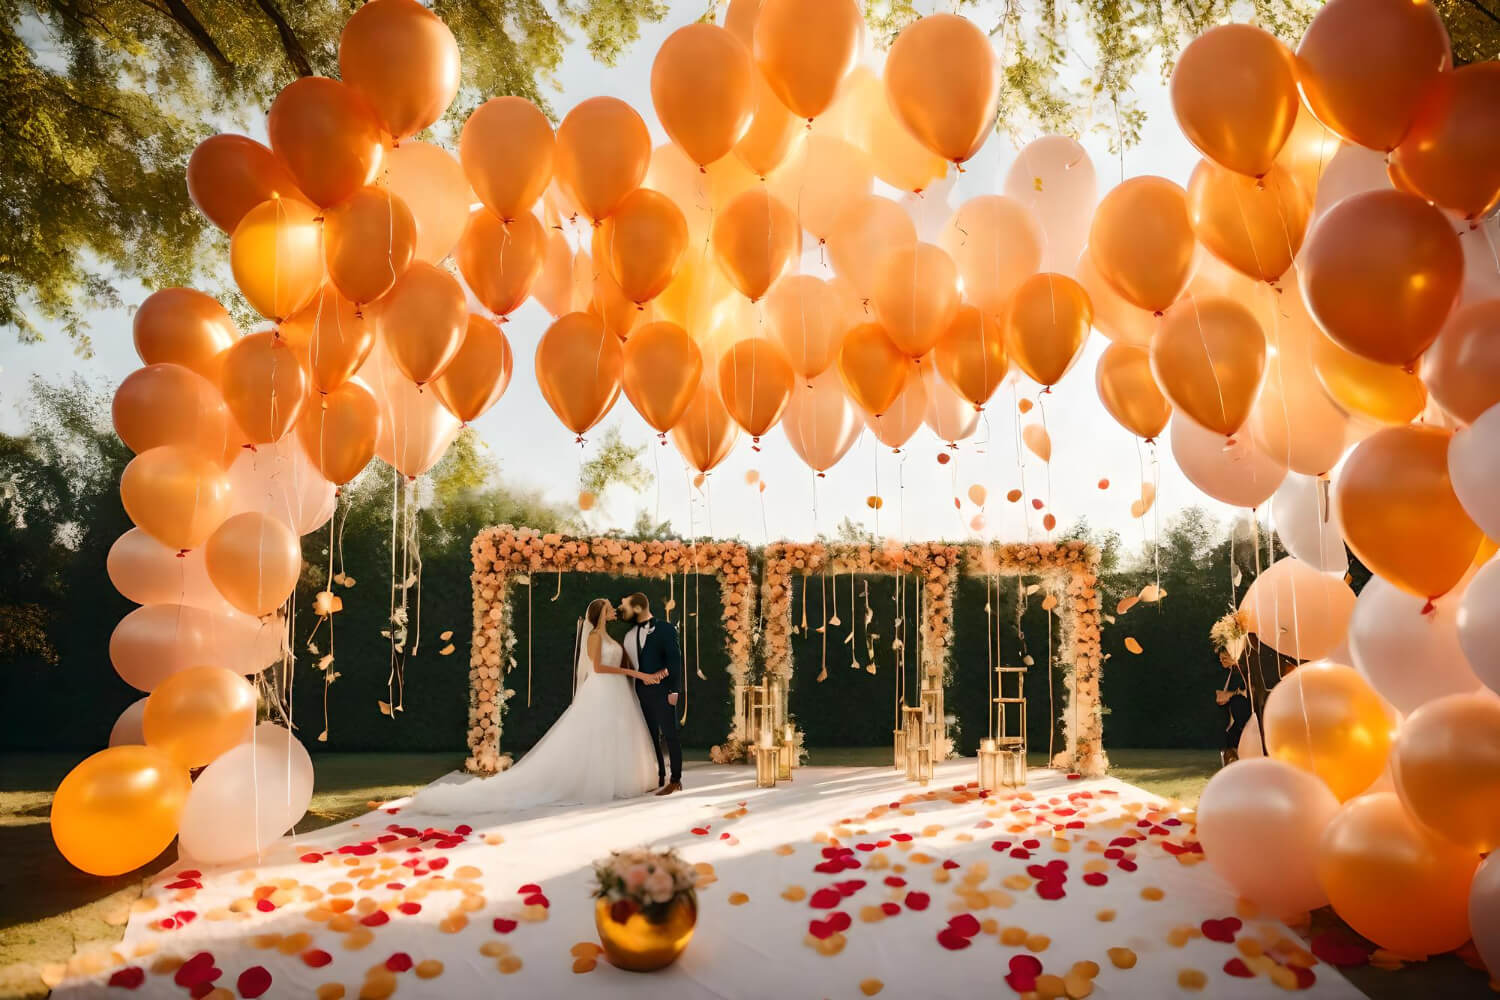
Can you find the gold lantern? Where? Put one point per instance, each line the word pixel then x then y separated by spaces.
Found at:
pixel 898 738
pixel 919 763
pixel 989 764
pixel 766 753
pixel 1013 764
pixel 788 756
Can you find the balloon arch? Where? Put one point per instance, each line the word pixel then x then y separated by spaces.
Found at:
pixel 1320 301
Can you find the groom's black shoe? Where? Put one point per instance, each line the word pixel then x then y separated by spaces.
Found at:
pixel 670 787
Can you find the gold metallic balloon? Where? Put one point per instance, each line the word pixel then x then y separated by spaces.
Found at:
pixel 198 713
pixel 1235 96
pixel 755 382
pixel 1128 391
pixel 578 366
pixel 942 80
pixel 662 368
pixel 1142 241
pixel 1048 320
pixel 1447 768
pixel 119 809
pixel 1209 359
pixel 1325 718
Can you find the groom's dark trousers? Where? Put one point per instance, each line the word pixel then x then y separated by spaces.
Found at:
pixel 660 651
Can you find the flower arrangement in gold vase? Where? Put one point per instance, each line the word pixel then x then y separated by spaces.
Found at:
pixel 645 907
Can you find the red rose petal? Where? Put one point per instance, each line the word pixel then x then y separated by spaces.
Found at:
pixel 253 982
pixel 129 978
pixel 1305 977
pixel 952 940
pixel 410 909
pixel 1339 949
pixel 1237 967
pixel 1023 972
pixel 825 899
pixel 839 920
pixel 917 900
pixel 310 859
pixel 375 919
pixel 437 863
pixel 950 864
pixel 264 905
pixel 1221 930
pixel 895 881
pixel 198 969
pixel 1095 878
pixel 536 899
pixel 820 929
pixel 965 923
pixel 890 909
pixel 316 958
pixel 1050 889
pixel 503 926
pixel 399 962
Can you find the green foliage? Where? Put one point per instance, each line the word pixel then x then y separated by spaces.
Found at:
pixel 616 462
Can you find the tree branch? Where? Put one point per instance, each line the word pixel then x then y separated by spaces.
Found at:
pixel 178 12
pixel 290 43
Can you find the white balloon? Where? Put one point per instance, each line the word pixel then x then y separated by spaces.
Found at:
pixel 1474 468
pixel 1238 474
pixel 1407 656
pixel 931 210
pixel 1478 624
pixel 279 480
pixel 1249 746
pixel 1307 522
pixel 1054 177
pixel 1484 911
pixel 246 799
pixel 415 428
pixel 1296 610
pixel 129 728
pixel 1481 246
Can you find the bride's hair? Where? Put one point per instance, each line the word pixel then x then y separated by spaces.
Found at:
pixel 595 611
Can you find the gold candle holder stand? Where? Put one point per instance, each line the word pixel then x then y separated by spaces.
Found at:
pixel 766 758
pixel 989 765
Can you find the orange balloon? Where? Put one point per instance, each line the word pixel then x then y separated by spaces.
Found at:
pixel 755 382
pixel 1045 327
pixel 897 156
pixel 645 238
pixel 970 355
pixel 198 713
pixel 662 368
pixel 701 87
pixel 556 284
pixel 432 184
pixel 1451 156
pixel 1209 360
pixel 339 431
pixel 175 495
pixel 1462 367
pixel 1308 150
pixel 507 149
pixel 578 368
pixel 868 229
pixel 820 423
pixel 705 434
pixel 1381 273
pixel 896 425
pixel 253 561
pixel 1254 226
pixel 1364 66
pixel 1394 882
pixel 692 299
pixel 369 240
pixel 943 82
pixel 603 150
pixel 264 385
pixel 228 175
pixel 996 243
pixel 332 338
pixel 403 59
pixel 740 18
pixel 1360 387
pixel 1296 421
pixel 479 374
pixel 805 48
pixel 327 135
pixel 422 320
pixel 1235 96
pixel 1326 719
pixel 1128 391
pixel 1447 768
pixel 276 254
pixel 808 316
pixel 754 239
pixel 873 367
pixel 185 327
pixel 1399 512
pixel 826 178
pixel 1117 318
pixel 119 809
pixel 501 260
pixel 618 314
pixel 774 132
pixel 169 404
pixel 916 296
pixel 1142 241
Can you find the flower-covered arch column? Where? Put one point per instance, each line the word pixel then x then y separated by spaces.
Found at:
pixel 505 555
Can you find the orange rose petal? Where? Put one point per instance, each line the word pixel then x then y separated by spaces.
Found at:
pixel 331 991
pixel 1122 958
pixel 1105 916
pixel 582 965
pixel 1194 979
pixel 429 968
pixel 870 987
pixel 1152 893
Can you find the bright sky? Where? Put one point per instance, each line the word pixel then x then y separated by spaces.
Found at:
pixel 535 450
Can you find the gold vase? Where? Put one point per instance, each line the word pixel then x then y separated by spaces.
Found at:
pixel 640 944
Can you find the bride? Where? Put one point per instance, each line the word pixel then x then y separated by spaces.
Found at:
pixel 596 751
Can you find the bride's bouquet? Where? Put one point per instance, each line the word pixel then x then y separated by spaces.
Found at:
pixel 637 880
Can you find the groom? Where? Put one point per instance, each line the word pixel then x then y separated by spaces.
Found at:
pixel 652 647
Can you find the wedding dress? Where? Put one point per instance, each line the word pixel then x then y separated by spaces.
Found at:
pixel 596 751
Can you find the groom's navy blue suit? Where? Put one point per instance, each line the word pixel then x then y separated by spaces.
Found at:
pixel 659 651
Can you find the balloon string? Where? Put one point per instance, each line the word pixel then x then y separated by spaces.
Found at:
pixel 1209 357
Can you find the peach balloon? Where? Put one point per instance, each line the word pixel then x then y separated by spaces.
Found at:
pixel 820 423
pixel 662 368
pixel 1234 472
pixel 433 185
pixel 1399 511
pixel 500 260
pixel 422 320
pixel 808 316
pixel 1254 226
pixel 1393 882
pixel 1294 420
pixel 705 434
pixel 826 178
pixel 895 425
pixel 970 355
pixel 805 49
pixel 127 728
pixel 997 243
pixel 1054 179
pixel 1121 321
pixel 369 240
pixel 869 229
pixel 1447 768
pixel 873 368
pixel 1381 272
pixel 618 314
pixel 403 59
pixel 145 571
pixel 185 327
pixel 264 386
pixel 1325 718
pixel 897 156
pixel 1209 359
pixel 1451 156
pixel 1364 67
pixel 331 337
pixel 701 87
pixel 951 416
pixel 942 79
pixel 415 427
pixel 281 481
pixel 176 494
pixel 1235 96
pixel 118 809
pixel 253 561
pixel 1037 441
pixel 1142 241
pixel 754 239
pixel 555 283
pixel 479 373
pixel 696 293
pixel 1308 150
pixel 327 135
pixel 1128 391
pixel 1297 610
pixel 578 368
pixel 339 431
pixel 1385 394
pixel 916 296
pixel 603 150
pixel 228 175
pixel 1462 367
pixel 507 149
pixel 774 133
pixel 169 404
pixel 1046 324
pixel 158 640
pixel 276 255
pixel 198 713
pixel 755 381
pixel 646 237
